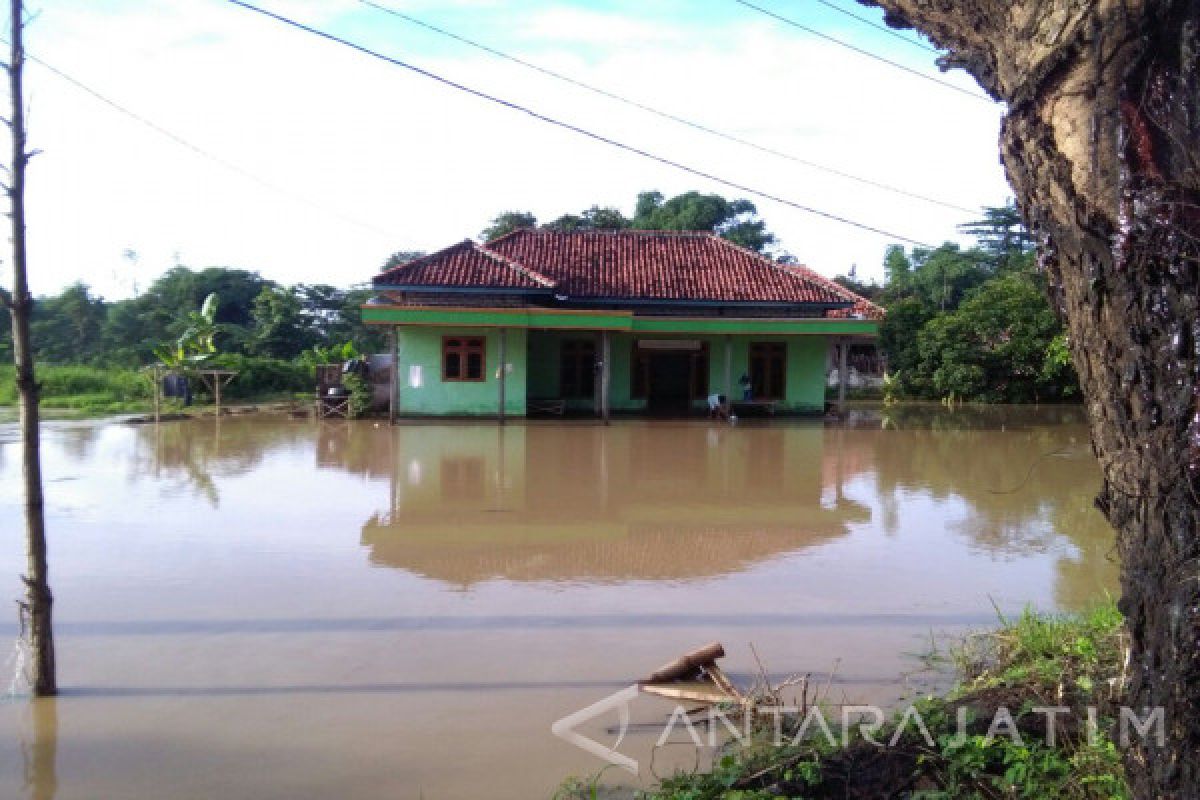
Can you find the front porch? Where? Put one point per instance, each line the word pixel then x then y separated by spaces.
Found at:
pixel 502 362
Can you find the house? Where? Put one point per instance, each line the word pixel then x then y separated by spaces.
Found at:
pixel 609 321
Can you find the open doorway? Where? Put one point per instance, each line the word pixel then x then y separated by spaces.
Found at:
pixel 670 374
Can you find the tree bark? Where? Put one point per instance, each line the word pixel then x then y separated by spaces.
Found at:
pixel 1101 144
pixel 35 611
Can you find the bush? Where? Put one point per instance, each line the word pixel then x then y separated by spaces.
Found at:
pixel 257 376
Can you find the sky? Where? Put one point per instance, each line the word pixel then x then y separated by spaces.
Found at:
pixel 250 144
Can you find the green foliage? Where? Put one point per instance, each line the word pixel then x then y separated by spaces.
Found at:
pixel 280 329
pixel 995 346
pixel 83 388
pixel 333 354
pixel 66 328
pixel 258 376
pixel 593 219
pixel 196 344
pixel 506 222
pixel 400 258
pixel 974 324
pixel 360 394
pixel 735 220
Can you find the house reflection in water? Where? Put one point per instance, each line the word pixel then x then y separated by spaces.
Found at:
pixel 634 501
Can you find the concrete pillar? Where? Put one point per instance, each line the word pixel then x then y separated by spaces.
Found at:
pixel 605 373
pixel 729 370
pixel 394 382
pixel 501 383
pixel 843 363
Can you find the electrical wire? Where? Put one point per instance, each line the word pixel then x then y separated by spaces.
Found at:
pixel 664 114
pixel 198 150
pixel 575 128
pixel 884 28
pixel 864 52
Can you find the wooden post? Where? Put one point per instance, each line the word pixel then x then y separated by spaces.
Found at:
pixel 502 374
pixel 394 381
pixel 605 373
pixel 842 364
pixel 729 370
pixel 217 393
pixel 35 611
pixel 157 378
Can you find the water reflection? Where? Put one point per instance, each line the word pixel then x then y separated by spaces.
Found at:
pixel 39 754
pixel 652 502
pixel 629 502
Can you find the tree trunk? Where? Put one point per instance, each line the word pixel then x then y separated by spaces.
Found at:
pixel 1101 143
pixel 35 610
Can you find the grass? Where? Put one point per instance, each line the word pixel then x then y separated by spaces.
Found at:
pixel 80 391
pixel 84 390
pixel 1037 660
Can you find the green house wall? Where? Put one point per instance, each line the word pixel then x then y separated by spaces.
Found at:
pixel 424 393
pixel 533 370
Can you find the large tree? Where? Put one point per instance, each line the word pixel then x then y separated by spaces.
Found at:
pixel 1100 142
pixel 735 220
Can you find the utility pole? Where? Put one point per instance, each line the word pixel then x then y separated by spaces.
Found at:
pixel 35 610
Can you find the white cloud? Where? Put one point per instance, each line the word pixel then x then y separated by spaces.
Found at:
pixel 416 165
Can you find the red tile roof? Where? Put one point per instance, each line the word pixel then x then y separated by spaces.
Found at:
pixel 465 264
pixel 625 265
pixel 862 308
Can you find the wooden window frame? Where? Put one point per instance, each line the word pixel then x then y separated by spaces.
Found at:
pixel 771 353
pixel 466 346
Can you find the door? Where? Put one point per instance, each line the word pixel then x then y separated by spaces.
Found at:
pixel 670 390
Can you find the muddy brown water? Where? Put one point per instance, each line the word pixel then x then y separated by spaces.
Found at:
pixel 265 608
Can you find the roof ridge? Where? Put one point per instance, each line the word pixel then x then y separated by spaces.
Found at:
pixel 807 272
pixel 533 275
pixel 601 231
pixel 794 270
pixel 425 257
pixel 834 286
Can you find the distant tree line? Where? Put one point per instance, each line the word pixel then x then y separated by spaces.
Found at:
pixel 255 317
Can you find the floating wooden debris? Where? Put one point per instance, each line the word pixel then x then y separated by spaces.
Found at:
pixel 694 676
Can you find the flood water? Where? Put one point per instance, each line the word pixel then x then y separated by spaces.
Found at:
pixel 267 608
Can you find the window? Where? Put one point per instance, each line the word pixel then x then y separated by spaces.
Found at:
pixel 577 368
pixel 768 362
pixel 463 358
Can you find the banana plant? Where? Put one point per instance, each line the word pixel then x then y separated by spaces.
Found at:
pixel 197 342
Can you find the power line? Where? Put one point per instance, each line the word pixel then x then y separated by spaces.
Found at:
pixel 666 115
pixel 198 150
pixel 878 27
pixel 863 52
pixel 573 128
